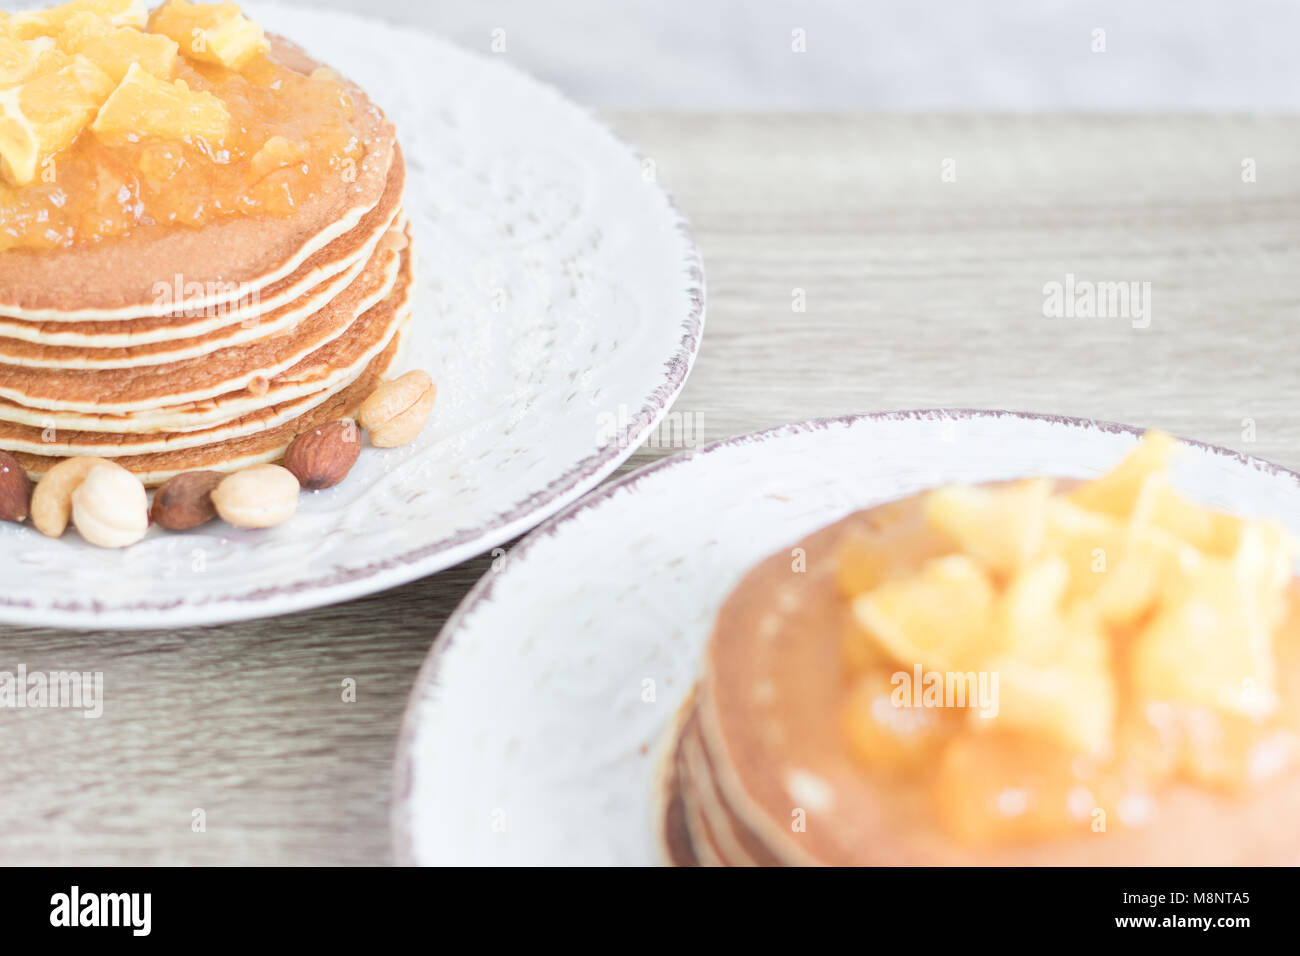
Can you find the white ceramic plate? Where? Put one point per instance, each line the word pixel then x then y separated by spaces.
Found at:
pixel 559 306
pixel 529 738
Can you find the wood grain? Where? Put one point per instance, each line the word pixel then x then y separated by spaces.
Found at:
pixel 919 292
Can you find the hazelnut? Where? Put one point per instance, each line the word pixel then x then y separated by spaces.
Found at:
pixel 322 457
pixel 257 497
pixel 395 412
pixel 185 501
pixel 110 508
pixel 15 489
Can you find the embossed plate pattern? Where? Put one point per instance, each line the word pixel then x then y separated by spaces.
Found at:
pixel 559 291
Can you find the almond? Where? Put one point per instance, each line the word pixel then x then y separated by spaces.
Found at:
pixel 15 489
pixel 185 500
pixel 322 457
pixel 395 412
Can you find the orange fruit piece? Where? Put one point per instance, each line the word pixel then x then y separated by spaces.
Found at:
pixel 942 618
pixel 43 115
pixel 861 561
pixel 1117 492
pixel 277 152
pixel 22 59
pixel 210 32
pixel 1003 527
pixel 884 735
pixel 1006 788
pixel 146 107
pixel 49 23
pixel 116 48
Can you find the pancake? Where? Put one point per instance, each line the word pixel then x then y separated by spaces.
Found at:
pixel 674 832
pixel 265 446
pixel 764 737
pixel 703 819
pixel 216 372
pixel 343 254
pixel 328 367
pixel 734 840
pixel 69 442
pixel 115 279
pixel 283 320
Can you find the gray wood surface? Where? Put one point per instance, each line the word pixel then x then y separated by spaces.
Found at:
pixel 918 292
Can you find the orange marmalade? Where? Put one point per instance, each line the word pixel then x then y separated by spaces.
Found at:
pixel 1036 661
pixel 112 118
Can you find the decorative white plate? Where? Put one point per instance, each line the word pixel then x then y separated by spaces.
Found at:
pixel 559 307
pixel 532 734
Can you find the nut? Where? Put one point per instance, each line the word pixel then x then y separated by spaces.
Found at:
pixel 185 501
pixel 52 498
pixel 397 410
pixel 110 507
pixel 322 457
pixel 257 497
pixel 15 489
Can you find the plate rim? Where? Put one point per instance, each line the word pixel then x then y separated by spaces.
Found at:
pixel 352 582
pixel 426 680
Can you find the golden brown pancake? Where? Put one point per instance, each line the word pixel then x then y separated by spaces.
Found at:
pixel 71 442
pixel 330 368
pixel 764 739
pixel 735 843
pixel 264 446
pixel 287 319
pixel 217 372
pixel 674 833
pixel 115 279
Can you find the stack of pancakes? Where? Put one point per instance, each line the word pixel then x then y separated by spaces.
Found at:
pixel 758 769
pixel 742 773
pixel 174 348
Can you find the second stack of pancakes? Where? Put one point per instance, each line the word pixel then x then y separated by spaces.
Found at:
pixel 170 350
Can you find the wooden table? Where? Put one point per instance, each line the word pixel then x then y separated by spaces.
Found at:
pixel 918 290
